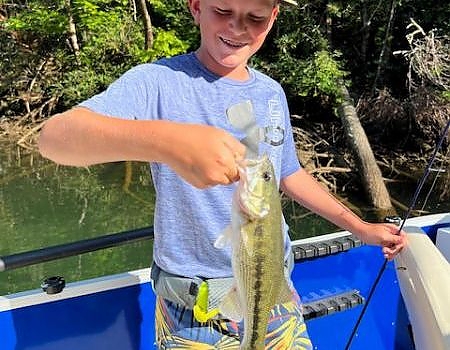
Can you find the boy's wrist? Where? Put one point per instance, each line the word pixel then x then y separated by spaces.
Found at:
pixel 353 223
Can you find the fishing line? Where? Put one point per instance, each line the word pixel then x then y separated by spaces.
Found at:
pixel 439 171
pixel 427 197
pixel 408 213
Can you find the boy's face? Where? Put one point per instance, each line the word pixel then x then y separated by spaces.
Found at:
pixel 231 32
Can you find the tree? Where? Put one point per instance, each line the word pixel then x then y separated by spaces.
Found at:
pixel 147 25
pixel 370 173
pixel 68 50
pixel 72 32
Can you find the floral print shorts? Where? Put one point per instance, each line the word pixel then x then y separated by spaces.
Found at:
pixel 176 328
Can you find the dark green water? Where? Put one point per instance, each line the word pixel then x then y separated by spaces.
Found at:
pixel 42 204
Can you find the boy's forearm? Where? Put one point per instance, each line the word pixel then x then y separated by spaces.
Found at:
pixel 304 189
pixel 202 155
pixel 80 137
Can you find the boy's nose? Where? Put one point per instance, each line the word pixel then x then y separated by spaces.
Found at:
pixel 237 23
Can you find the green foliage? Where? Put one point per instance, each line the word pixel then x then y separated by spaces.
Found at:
pixel 309 50
pixel 446 95
pixel 166 44
pixel 110 38
pixel 300 58
pixel 39 20
pixel 320 75
pixel 80 84
pixel 174 16
pixel 298 54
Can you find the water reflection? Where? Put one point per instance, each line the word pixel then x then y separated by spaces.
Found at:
pixel 42 204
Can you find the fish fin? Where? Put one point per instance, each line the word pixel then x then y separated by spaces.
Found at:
pixel 230 307
pixel 246 243
pixel 224 238
pixel 285 295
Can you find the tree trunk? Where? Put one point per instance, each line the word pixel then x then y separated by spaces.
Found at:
pixel 367 19
pixel 365 33
pixel 147 25
pixel 371 176
pixel 73 40
pixel 133 9
pixel 328 24
pixel 386 46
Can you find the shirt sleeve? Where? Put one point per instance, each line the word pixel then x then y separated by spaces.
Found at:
pixel 289 163
pixel 125 98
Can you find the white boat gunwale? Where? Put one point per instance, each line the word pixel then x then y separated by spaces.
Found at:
pixel 121 280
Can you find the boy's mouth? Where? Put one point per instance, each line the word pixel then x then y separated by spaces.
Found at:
pixel 232 43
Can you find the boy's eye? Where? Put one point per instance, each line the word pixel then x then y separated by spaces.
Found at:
pixel 223 12
pixel 257 19
pixel 253 18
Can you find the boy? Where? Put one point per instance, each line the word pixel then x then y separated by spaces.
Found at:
pixel 173 114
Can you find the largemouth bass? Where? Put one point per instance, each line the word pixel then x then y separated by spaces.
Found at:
pixel 257 242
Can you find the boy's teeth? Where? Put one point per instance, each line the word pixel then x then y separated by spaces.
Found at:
pixel 231 43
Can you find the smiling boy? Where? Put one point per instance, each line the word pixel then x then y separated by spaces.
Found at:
pixel 173 114
pixel 231 33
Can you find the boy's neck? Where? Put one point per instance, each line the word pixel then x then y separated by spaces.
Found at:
pixel 239 73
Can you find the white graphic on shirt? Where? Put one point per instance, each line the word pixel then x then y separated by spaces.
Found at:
pixel 274 132
pixel 242 117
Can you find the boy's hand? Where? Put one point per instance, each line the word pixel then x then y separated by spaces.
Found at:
pixel 204 155
pixel 386 236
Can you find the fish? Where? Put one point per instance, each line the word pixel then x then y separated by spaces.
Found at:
pixel 258 255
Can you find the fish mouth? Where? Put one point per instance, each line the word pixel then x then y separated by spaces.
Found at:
pixel 254 207
pixel 251 198
pixel 257 180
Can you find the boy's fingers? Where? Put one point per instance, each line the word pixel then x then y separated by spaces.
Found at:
pixel 390 253
pixel 236 148
pixel 390 250
pixel 397 242
pixel 233 175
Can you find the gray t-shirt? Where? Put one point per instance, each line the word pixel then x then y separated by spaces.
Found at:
pixel 188 220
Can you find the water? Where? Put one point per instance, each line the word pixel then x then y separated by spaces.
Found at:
pixel 42 204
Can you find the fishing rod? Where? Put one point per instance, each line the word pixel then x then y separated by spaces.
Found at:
pixel 408 213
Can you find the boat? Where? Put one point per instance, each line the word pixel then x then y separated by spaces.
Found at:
pixel 353 298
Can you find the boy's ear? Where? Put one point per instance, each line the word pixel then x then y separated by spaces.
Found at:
pixel 276 11
pixel 194 7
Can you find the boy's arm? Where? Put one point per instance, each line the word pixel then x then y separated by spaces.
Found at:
pixel 305 190
pixel 203 155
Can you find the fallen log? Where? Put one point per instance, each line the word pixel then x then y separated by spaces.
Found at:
pixel 370 173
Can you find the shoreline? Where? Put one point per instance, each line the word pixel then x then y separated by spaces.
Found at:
pixel 332 165
pixel 15 133
pixel 25 135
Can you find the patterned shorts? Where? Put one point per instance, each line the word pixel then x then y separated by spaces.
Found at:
pixel 176 328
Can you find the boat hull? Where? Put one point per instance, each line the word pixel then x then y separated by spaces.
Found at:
pixel 117 312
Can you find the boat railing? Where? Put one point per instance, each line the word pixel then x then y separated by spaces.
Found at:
pixel 56 252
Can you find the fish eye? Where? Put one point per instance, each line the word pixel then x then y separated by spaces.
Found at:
pixel 266 176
